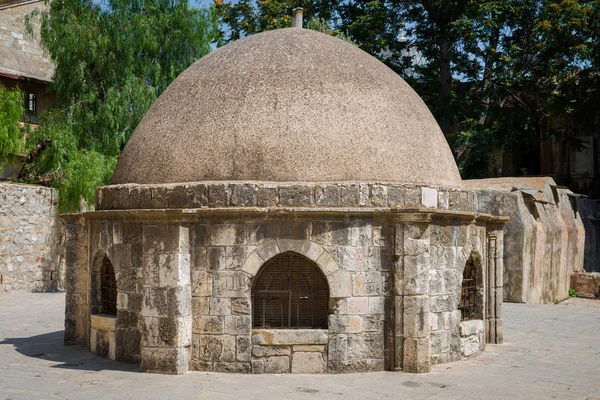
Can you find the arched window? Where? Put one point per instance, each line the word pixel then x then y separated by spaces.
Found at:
pixel 108 288
pixel 290 291
pixel 471 304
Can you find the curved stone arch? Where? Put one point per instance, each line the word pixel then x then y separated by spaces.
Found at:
pixel 477 259
pixel 338 280
pixel 95 278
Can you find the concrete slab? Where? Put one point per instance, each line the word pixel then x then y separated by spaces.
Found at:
pixel 550 351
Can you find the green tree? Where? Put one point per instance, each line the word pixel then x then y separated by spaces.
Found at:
pixel 11 112
pixel 490 71
pixel 112 60
pixel 240 18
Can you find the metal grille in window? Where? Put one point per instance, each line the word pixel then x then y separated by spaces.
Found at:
pixel 290 291
pixel 468 295
pixel 108 288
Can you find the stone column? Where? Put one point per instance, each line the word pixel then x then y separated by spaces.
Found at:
pixel 411 291
pixel 77 272
pixel 166 323
pixel 495 286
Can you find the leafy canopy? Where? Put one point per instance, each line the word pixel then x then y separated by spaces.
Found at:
pixel 112 60
pixel 11 112
pixel 493 72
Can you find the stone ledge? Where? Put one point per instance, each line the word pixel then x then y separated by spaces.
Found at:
pixel 284 194
pixel 276 337
pixel 104 322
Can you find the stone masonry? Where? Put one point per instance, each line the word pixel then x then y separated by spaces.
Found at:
pixel 31 240
pixel 185 257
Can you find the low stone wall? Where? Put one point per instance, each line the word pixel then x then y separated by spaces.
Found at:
pixel 31 239
pixel 544 238
pixel 586 284
pixel 472 338
pixel 299 351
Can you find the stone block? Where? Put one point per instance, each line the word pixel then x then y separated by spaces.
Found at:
pixel 173 269
pixel 179 301
pixel 202 283
pixel 178 197
pixel 231 284
pixel 286 337
pixel 107 323
pixel 395 197
pixel 308 363
pixel 227 234
pixel 243 195
pixel 258 366
pixel 244 348
pixel 296 196
pixel 266 196
pixel 345 323
pixel 164 361
pixel 376 305
pixel 363 194
pixel 358 305
pixel 154 302
pixel 237 368
pixel 214 324
pixel 219 306
pixel 349 196
pixel 429 197
pixel 197 195
pixel 277 365
pixel 340 284
pixel 412 197
pixel 327 196
pixel 416 357
pixel 153 238
pixel 469 345
pixel 218 195
pixel 268 351
pixel 238 324
pixel 416 316
pixel 240 306
pixel 200 306
pixel 379 196
pixel 309 348
pixel 216 348
pixel 470 328
pixel 368 345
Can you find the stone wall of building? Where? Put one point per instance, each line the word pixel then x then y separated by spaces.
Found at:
pixel 31 239
pixel 20 53
pixel 544 239
pixel 185 271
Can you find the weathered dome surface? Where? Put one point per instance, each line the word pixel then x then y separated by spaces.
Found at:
pixel 288 105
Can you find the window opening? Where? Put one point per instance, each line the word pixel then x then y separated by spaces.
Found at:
pixel 290 292
pixel 469 300
pixel 108 289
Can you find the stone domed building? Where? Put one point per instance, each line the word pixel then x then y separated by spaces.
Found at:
pixel 288 204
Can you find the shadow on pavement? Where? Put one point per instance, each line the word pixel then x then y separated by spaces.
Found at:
pixel 49 346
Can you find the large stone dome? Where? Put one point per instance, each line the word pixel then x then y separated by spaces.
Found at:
pixel 288 105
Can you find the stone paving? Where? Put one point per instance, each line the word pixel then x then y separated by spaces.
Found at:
pixel 550 351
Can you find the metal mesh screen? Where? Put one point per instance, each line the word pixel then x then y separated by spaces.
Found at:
pixel 290 292
pixel 468 294
pixel 108 288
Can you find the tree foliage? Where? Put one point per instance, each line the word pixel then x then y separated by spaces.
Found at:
pixel 112 59
pixel 493 72
pixel 247 17
pixel 11 112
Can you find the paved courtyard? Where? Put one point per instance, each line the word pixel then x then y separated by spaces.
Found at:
pixel 550 351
